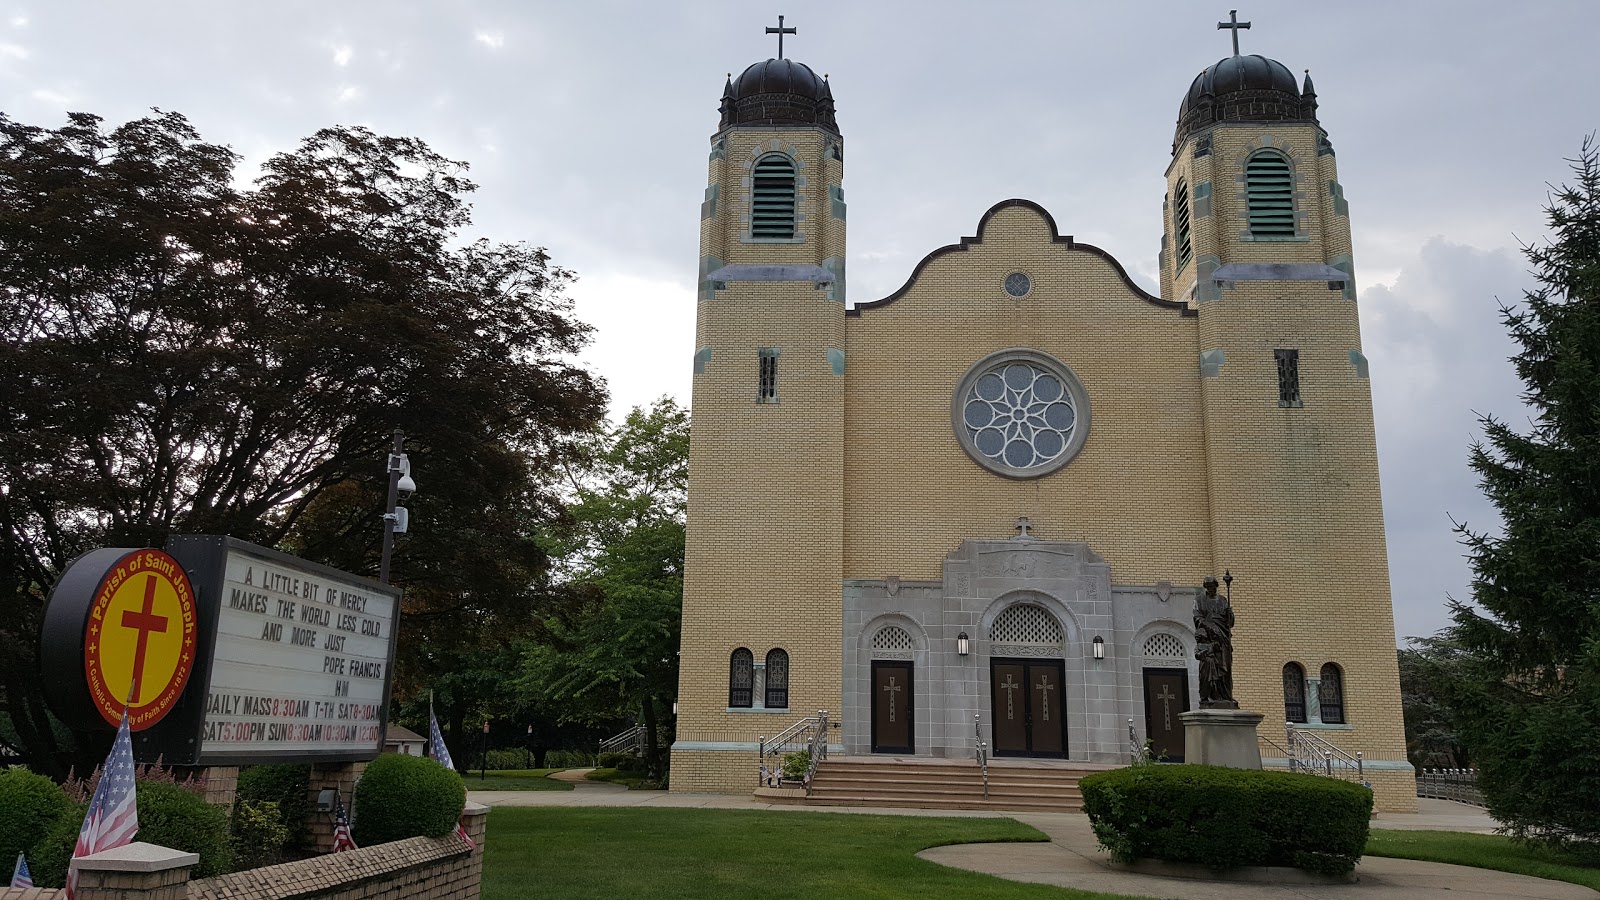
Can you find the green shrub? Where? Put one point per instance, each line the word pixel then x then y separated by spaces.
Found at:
pixel 612 760
pixel 53 850
pixel 29 805
pixel 170 816
pixel 257 833
pixel 287 785
pixel 406 796
pixel 509 759
pixel 796 764
pixel 569 759
pixel 1225 818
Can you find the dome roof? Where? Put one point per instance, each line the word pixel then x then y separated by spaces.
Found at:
pixel 1245 89
pixel 778 92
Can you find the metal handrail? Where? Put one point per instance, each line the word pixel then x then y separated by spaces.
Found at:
pixel 982 751
pixel 819 748
pixel 1311 754
pixel 1460 785
pixel 631 740
pixel 799 736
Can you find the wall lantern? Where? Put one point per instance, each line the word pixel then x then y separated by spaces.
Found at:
pixel 1099 647
pixel 962 644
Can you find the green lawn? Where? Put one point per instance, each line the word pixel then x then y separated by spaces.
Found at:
pixel 1485 851
pixel 629 780
pixel 515 780
pixel 604 853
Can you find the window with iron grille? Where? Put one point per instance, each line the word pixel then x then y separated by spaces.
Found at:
pixel 1288 377
pixel 777 679
pixel 1180 224
pixel 772 197
pixel 767 387
pixel 1332 695
pixel 1294 693
pixel 1269 194
pixel 741 678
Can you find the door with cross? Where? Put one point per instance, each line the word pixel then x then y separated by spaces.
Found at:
pixel 891 707
pixel 1166 696
pixel 1028 709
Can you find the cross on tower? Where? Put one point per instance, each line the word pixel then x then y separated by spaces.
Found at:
pixel 145 623
pixel 780 31
pixel 1233 24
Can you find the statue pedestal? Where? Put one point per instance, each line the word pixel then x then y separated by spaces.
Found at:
pixel 1221 737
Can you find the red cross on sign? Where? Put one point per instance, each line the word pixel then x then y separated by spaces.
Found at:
pixel 139 641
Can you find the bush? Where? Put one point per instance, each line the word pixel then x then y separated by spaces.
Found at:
pixel 509 759
pixel 795 765
pixel 29 805
pixel 257 833
pixel 53 851
pixel 289 786
pixel 1225 818
pixel 171 816
pixel 612 760
pixel 406 796
pixel 569 759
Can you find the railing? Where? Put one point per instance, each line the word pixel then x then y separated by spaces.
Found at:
pixel 982 750
pixel 1460 785
pixel 819 748
pixel 1311 754
pixel 630 741
pixel 1135 751
pixel 807 734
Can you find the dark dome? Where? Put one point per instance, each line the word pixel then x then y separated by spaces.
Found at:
pixel 1245 89
pixel 778 92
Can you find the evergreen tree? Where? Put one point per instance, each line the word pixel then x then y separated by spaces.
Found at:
pixel 1528 705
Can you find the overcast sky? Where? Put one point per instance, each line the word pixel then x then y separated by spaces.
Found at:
pixel 586 126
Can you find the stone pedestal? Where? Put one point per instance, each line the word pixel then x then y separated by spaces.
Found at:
pixel 136 871
pixel 342 777
pixel 1221 737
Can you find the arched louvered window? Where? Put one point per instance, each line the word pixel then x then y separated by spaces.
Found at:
pixel 772 197
pixel 1182 246
pixel 741 678
pixel 777 679
pixel 1332 695
pixel 1294 692
pixel 1269 194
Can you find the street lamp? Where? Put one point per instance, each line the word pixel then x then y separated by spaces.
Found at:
pixel 396 519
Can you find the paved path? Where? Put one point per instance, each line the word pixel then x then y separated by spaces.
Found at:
pixel 1073 858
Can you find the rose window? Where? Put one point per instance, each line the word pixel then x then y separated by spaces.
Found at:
pixel 1021 413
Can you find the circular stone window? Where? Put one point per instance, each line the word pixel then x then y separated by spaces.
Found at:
pixel 1018 284
pixel 1020 413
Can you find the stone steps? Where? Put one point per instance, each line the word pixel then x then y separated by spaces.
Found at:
pixel 940 784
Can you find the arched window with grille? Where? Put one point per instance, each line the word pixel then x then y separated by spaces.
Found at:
pixel 741 678
pixel 1269 194
pixel 1294 692
pixel 1182 245
pixel 1332 695
pixel 772 197
pixel 777 679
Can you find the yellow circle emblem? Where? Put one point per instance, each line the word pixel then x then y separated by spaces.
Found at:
pixel 139 645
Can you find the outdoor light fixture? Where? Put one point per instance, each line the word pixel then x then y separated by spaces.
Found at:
pixel 1099 647
pixel 962 644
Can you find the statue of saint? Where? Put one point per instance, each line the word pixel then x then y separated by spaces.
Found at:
pixel 1213 639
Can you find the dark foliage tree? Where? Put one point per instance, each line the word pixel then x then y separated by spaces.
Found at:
pixel 1528 705
pixel 180 354
pixel 1426 669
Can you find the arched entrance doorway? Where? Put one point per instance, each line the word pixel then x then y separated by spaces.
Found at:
pixel 1027 683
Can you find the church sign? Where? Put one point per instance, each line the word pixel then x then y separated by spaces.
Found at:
pixel 291 660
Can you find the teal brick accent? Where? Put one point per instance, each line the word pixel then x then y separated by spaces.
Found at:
pixel 709 207
pixel 1346 265
pixel 836 360
pixel 836 201
pixel 835 264
pixel 1211 362
pixel 1359 360
pixel 1205 288
pixel 701 357
pixel 1202 200
pixel 719 149
pixel 709 288
pixel 1340 206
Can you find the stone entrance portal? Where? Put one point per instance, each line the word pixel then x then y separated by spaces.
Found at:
pixel 1028 714
pixel 891 707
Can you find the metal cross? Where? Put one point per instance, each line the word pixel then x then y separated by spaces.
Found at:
pixel 892 689
pixel 1166 697
pixel 1044 687
pixel 1232 24
pixel 1010 686
pixel 780 31
pixel 1022 526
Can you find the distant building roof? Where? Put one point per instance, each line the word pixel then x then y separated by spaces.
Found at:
pixel 399 734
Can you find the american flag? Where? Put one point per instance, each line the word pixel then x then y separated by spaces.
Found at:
pixel 342 840
pixel 113 815
pixel 441 753
pixel 20 876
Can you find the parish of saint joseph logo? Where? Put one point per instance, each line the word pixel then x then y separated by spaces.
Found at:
pixel 139 640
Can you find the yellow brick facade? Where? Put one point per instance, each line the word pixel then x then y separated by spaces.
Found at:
pixel 1190 467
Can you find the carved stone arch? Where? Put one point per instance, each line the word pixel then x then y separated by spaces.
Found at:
pixel 1184 632
pixel 1071 629
pixel 869 631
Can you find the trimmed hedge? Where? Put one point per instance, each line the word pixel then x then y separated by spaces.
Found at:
pixel 406 796
pixel 29 805
pixel 169 816
pixel 289 786
pixel 1224 818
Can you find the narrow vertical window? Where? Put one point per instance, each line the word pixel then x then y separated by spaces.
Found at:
pixel 772 197
pixel 741 675
pixel 1294 693
pixel 1180 224
pixel 1332 695
pixel 777 679
pixel 1288 377
pixel 1269 194
pixel 767 385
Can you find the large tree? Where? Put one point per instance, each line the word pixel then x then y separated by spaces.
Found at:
pixel 182 354
pixel 1528 705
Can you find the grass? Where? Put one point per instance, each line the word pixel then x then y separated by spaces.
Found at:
pixel 515 780
pixel 633 781
pixel 605 853
pixel 1484 851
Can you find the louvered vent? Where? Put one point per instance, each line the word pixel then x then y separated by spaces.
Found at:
pixel 892 638
pixel 1269 189
pixel 1180 223
pixel 1163 646
pixel 1024 624
pixel 772 198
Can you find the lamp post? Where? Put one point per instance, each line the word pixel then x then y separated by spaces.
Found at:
pixel 396 519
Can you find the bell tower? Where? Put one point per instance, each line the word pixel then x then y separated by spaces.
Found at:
pixel 762 584
pixel 1257 240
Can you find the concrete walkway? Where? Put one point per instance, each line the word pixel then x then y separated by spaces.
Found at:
pixel 1073 858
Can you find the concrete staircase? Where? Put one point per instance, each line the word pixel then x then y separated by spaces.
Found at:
pixel 923 783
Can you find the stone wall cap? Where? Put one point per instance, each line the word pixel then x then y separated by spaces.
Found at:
pixel 136 857
pixel 814 274
pixel 1279 272
pixel 474 809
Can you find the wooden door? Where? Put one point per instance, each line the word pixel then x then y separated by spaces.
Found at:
pixel 891 707
pixel 1029 712
pixel 1166 694
pixel 1047 726
pixel 1009 686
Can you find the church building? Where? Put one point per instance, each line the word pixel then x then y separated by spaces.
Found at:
pixel 982 507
